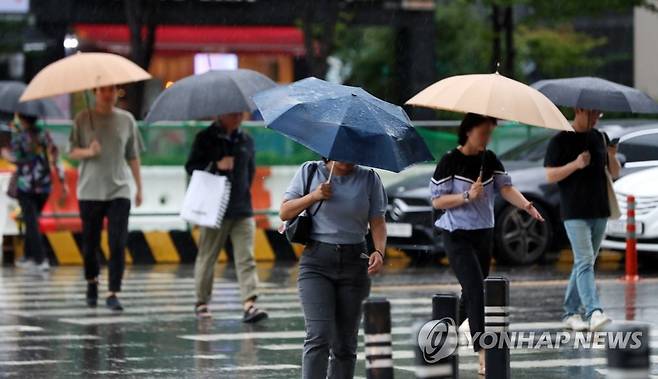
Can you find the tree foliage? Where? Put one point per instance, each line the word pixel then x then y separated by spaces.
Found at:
pixel 556 52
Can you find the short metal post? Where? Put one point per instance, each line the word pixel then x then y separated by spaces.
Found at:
pixel 629 360
pixel 446 306
pixel 437 340
pixel 631 240
pixel 377 336
pixel 496 323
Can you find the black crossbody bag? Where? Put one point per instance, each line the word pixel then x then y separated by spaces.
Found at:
pixel 298 230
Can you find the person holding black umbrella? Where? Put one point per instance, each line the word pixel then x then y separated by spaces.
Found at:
pixel 224 149
pixel 577 162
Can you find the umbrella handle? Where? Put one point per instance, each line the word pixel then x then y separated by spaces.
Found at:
pixel 88 104
pixel 331 172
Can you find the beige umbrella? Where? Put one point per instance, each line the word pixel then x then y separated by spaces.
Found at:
pixel 492 95
pixel 83 71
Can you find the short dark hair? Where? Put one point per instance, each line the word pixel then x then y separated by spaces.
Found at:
pixel 32 120
pixel 470 121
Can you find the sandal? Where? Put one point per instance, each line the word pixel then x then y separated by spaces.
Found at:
pixel 201 311
pixel 253 314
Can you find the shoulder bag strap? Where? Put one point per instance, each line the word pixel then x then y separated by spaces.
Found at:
pixel 313 168
pixel 605 149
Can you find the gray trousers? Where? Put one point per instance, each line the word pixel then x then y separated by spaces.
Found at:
pixel 333 282
pixel 211 241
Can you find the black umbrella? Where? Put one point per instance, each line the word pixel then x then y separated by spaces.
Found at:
pixel 210 94
pixel 597 94
pixel 11 91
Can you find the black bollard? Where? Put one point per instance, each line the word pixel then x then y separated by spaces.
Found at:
pixel 446 305
pixel 496 325
pixel 436 341
pixel 377 336
pixel 629 360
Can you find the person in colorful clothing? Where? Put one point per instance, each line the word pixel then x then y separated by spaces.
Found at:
pixel 36 157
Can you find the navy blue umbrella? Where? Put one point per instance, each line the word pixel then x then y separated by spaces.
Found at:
pixel 597 94
pixel 343 123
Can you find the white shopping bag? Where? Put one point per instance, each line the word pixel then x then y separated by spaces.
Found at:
pixel 206 199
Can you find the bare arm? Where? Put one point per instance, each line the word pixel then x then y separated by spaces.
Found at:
pixel 455 200
pixel 82 153
pixel 557 174
pixel 378 231
pixel 516 198
pixel 613 163
pixel 452 200
pixel 293 207
pixel 134 165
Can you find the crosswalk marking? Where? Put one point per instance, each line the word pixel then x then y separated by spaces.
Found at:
pixel 51 323
pixel 31 362
pixel 19 328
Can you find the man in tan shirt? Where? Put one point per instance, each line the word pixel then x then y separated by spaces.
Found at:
pixel 106 141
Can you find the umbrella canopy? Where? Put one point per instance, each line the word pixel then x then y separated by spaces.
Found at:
pixel 83 71
pixel 11 91
pixel 596 93
pixel 343 123
pixel 492 95
pixel 209 94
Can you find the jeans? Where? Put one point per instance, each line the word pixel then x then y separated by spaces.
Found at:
pixel 333 282
pixel 585 237
pixel 469 254
pixel 211 241
pixel 92 213
pixel 31 206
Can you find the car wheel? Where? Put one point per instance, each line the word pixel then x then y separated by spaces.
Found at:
pixel 520 239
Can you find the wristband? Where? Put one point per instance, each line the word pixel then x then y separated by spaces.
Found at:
pixel 380 253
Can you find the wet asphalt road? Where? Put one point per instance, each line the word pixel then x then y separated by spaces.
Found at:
pixel 46 332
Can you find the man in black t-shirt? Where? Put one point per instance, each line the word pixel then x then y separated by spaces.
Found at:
pixel 577 162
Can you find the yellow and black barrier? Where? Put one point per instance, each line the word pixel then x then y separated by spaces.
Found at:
pixel 150 247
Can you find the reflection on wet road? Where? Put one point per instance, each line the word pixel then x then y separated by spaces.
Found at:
pixel 45 330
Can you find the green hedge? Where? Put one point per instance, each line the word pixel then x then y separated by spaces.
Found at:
pixel 170 144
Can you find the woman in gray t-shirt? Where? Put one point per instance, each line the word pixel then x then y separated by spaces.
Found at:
pixel 334 269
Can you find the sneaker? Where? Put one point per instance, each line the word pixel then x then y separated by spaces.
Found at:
pixel 25 264
pixel 112 302
pixel 201 310
pixel 253 315
pixel 92 294
pixel 575 323
pixel 43 266
pixel 598 320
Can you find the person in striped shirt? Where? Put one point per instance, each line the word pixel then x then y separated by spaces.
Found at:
pixel 464 187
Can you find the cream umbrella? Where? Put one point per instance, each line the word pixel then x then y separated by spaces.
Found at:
pixel 83 71
pixel 492 95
